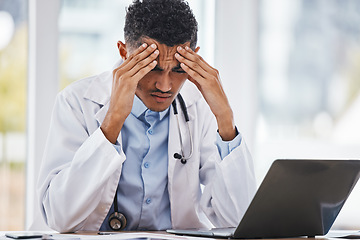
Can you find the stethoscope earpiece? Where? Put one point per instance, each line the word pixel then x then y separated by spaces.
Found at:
pixel 178 156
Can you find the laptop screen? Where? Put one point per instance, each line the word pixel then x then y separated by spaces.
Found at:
pixel 299 198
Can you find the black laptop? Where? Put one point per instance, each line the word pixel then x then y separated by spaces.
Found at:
pixel 296 198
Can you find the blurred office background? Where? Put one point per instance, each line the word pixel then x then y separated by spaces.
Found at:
pixel 291 70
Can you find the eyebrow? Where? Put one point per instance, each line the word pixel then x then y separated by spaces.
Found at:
pixel 177 68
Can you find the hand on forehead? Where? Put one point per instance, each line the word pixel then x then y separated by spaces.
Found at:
pixel 166 59
pixel 166 53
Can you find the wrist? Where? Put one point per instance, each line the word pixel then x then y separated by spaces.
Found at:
pixel 226 127
pixel 111 127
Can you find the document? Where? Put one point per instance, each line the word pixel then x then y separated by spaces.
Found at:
pixel 347 234
pixel 110 236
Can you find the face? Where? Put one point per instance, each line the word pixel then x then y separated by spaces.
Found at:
pixel 158 88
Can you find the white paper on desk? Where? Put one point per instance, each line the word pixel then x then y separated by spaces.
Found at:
pixel 350 234
pixel 122 235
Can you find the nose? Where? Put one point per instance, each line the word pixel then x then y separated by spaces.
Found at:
pixel 163 83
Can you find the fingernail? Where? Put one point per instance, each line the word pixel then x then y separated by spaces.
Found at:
pixel 177 55
pixel 180 48
pixel 187 48
pixel 153 45
pixel 144 45
pixel 156 52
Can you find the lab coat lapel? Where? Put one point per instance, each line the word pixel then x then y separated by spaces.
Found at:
pixel 99 91
pixel 178 176
pixel 174 138
pixel 173 147
pixel 181 176
pixel 190 95
pixel 100 115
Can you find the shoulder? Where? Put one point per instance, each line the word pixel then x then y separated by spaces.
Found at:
pixel 78 87
pixel 95 88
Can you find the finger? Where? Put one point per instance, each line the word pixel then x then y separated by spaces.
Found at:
pixel 193 65
pixel 132 81
pixel 143 63
pixel 147 64
pixel 137 51
pixel 193 60
pixel 195 53
pixel 143 71
pixel 188 53
pixel 131 66
pixel 194 75
pixel 138 55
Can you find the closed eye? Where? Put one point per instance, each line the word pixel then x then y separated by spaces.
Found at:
pixel 157 69
pixel 178 69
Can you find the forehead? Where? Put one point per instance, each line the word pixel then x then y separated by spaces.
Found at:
pixel 166 53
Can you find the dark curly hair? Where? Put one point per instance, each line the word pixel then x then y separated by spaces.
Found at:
pixel 170 22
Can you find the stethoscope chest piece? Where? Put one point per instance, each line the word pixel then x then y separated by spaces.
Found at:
pixel 117 221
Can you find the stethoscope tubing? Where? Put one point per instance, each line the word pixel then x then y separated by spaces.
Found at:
pixel 182 157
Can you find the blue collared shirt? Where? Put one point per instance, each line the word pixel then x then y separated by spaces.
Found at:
pixel 142 192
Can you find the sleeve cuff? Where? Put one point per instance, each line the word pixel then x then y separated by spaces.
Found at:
pixel 117 147
pixel 226 147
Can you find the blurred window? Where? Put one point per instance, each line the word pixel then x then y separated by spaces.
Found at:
pixel 13 79
pixel 90 30
pixel 309 82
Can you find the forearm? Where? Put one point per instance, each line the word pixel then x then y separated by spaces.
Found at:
pixel 226 125
pixel 112 125
pixel 125 82
pixel 229 181
pixel 226 199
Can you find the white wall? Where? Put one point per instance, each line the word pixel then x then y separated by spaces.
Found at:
pixel 236 59
pixel 43 84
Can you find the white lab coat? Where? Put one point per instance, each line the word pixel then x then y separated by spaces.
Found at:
pixel 81 168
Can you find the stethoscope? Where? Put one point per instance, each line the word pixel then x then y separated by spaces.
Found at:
pixel 117 220
pixel 181 156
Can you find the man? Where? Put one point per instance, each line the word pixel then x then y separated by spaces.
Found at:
pixel 116 134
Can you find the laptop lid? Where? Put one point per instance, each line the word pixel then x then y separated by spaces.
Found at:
pixel 296 198
pixel 299 198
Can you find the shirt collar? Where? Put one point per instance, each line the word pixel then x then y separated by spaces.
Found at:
pixel 139 108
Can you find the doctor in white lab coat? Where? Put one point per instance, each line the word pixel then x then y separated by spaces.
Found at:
pixel 81 168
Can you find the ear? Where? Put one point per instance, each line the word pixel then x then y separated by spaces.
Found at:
pixel 122 50
pixel 197 49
